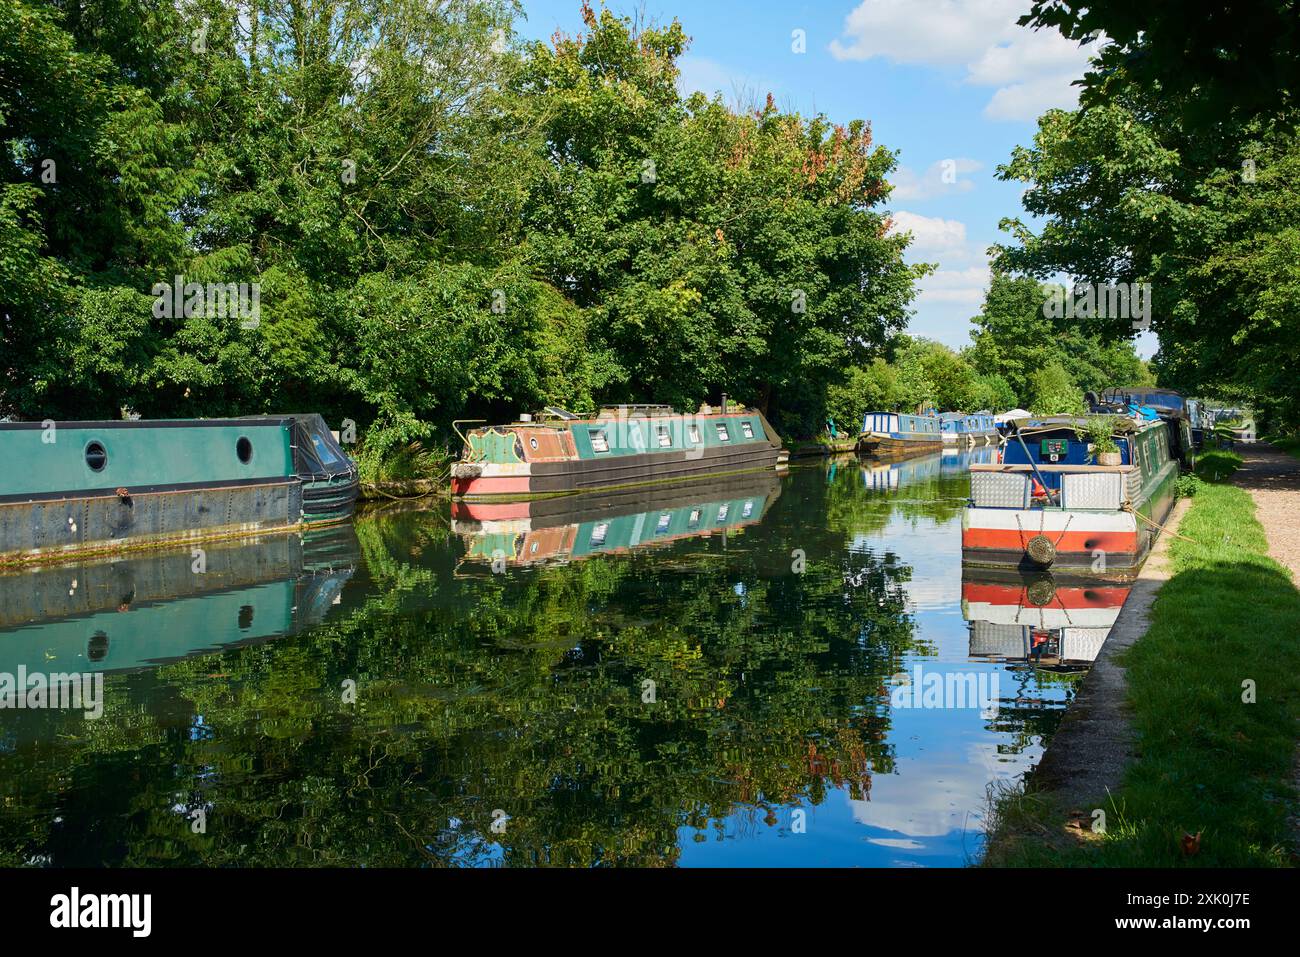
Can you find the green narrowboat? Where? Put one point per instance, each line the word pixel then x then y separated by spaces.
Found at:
pixel 75 488
pixel 560 453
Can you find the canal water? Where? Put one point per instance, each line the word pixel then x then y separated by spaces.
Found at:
pixel 771 670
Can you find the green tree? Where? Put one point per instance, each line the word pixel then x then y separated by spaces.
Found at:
pixel 1053 392
pixel 717 251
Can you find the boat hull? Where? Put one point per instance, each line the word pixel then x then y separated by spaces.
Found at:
pixel 999 538
pixel 535 479
pixel 898 446
pixel 94 488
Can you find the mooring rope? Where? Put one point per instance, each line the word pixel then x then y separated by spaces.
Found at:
pixel 1128 507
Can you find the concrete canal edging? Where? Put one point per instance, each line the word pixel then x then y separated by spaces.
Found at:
pixel 1087 755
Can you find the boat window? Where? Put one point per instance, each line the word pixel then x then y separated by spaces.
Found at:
pixel 747 429
pixel 532 442
pixel 722 432
pixel 748 509
pixel 695 518
pixel 662 525
pixel 722 512
pixel 599 443
pixel 244 449
pixel 324 452
pixel 599 532
pixel 96 457
pixel 665 437
pixel 695 434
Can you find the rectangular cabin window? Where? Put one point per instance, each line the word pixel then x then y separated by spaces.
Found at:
pixel 747 429
pixel 722 512
pixel 723 435
pixel 662 525
pixel 694 433
pixel 665 438
pixel 599 443
pixel 598 534
pixel 748 509
pixel 695 518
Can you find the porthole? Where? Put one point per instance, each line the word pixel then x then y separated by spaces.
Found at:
pixel 533 442
pixel 96 457
pixel 244 449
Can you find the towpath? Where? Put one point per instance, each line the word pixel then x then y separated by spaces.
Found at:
pixel 1273 480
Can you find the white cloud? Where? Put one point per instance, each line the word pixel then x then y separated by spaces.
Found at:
pixel 1028 101
pixel 908 185
pixel 965 286
pixel 931 235
pixel 934 32
pixel 1031 69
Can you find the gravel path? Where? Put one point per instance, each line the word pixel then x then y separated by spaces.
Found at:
pixel 1273 480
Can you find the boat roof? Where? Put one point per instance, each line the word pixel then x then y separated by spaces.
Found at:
pixel 157 423
pixel 1120 423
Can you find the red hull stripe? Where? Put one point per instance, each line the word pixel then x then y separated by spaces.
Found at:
pixel 1072 541
pixel 489 512
pixel 492 485
pixel 999 594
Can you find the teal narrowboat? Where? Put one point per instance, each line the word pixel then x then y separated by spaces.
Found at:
pixel 137 611
pixel 572 528
pixel 894 434
pixel 560 453
pixel 76 488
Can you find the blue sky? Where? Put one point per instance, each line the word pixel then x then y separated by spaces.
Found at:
pixel 950 84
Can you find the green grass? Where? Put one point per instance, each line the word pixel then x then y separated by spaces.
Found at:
pixel 1208 762
pixel 1290 444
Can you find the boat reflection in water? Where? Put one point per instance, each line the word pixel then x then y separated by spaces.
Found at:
pixel 880 476
pixel 1050 624
pixel 145 610
pixel 602 523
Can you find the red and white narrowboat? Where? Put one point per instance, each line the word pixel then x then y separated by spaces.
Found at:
pixel 1051 503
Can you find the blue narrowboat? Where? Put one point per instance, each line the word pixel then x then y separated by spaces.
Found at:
pixel 897 434
pixel 961 428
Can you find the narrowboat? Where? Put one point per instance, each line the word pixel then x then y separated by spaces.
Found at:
pixel 1048 503
pixel 136 611
pixel 1164 404
pixel 897 434
pixel 559 453
pixel 1060 626
pixel 571 528
pixel 960 428
pixel 102 487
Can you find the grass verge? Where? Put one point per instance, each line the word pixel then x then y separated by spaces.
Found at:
pixel 1214 693
pixel 1290 444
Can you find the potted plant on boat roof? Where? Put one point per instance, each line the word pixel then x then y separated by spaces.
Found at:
pixel 1101 440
